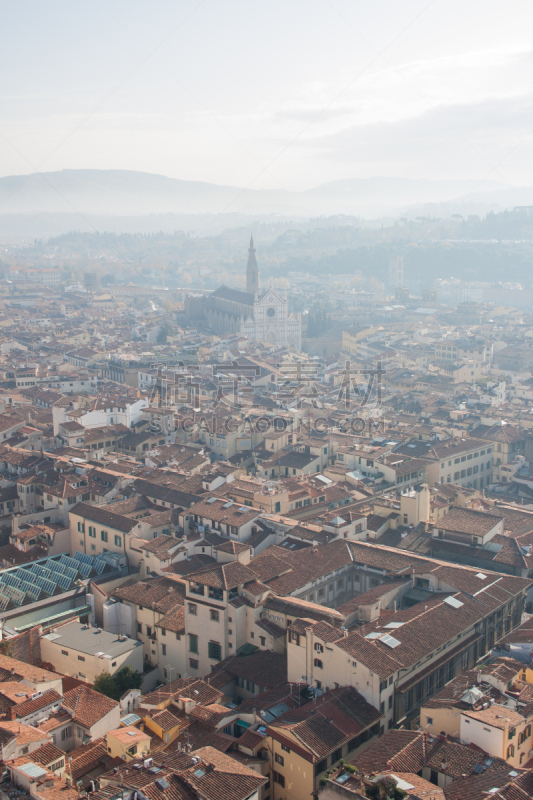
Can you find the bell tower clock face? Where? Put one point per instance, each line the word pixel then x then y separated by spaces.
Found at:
pixel 271 312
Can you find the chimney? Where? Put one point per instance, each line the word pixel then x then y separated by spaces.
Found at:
pixel 13 713
pixel 187 704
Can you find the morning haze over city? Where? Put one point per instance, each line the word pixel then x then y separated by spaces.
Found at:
pixel 266 400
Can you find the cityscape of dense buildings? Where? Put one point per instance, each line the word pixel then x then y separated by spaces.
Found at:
pixel 261 553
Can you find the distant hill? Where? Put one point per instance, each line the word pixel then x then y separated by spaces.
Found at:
pixel 26 200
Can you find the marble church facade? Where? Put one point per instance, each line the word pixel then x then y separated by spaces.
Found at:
pixel 259 315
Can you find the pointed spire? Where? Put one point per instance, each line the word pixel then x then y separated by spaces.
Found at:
pixel 252 272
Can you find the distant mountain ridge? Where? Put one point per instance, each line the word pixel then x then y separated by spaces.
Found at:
pixel 127 192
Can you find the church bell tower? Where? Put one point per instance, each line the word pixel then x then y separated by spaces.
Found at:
pixel 252 273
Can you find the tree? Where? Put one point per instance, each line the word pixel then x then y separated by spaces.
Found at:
pixel 105 684
pixel 127 678
pixel 385 789
pixel 166 330
pixel 114 686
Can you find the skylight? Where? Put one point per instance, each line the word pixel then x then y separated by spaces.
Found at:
pixel 453 602
pixel 390 641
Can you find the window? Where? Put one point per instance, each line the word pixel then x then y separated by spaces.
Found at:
pixel 318 663
pixel 510 751
pixel 118 541
pixel 215 616
pixel 429 720
pixel 321 766
pixel 66 733
pixel 440 677
pixel 262 641
pixel 64 652
pixel 81 527
pixel 148 630
pixel 336 755
pixel 279 759
pixel 81 658
pixel 163 649
pixel 193 609
pixel 250 686
pixel 279 778
pixel 139 628
pixel 193 643
pixel 103 536
pixel 193 663
pixel 285 748
pixel 390 701
pixel 214 651
pixel 92 532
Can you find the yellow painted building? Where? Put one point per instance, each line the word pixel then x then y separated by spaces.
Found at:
pixel 164 724
pixel 309 742
pixel 128 743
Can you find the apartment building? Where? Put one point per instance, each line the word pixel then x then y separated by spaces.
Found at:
pixel 306 742
pixel 473 690
pixel 137 606
pixel 462 461
pixel 216 620
pixel 474 348
pixel 449 617
pixel 115 528
pixel 269 496
pixel 500 730
pixel 467 526
pixel 508 441
pixel 85 652
pixel 222 515
pixel 92 714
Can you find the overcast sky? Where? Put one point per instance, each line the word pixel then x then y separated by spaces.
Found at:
pixel 271 93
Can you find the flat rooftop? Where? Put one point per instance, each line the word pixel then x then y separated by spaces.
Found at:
pixel 91 641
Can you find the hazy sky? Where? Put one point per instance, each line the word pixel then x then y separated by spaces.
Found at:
pixel 272 94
